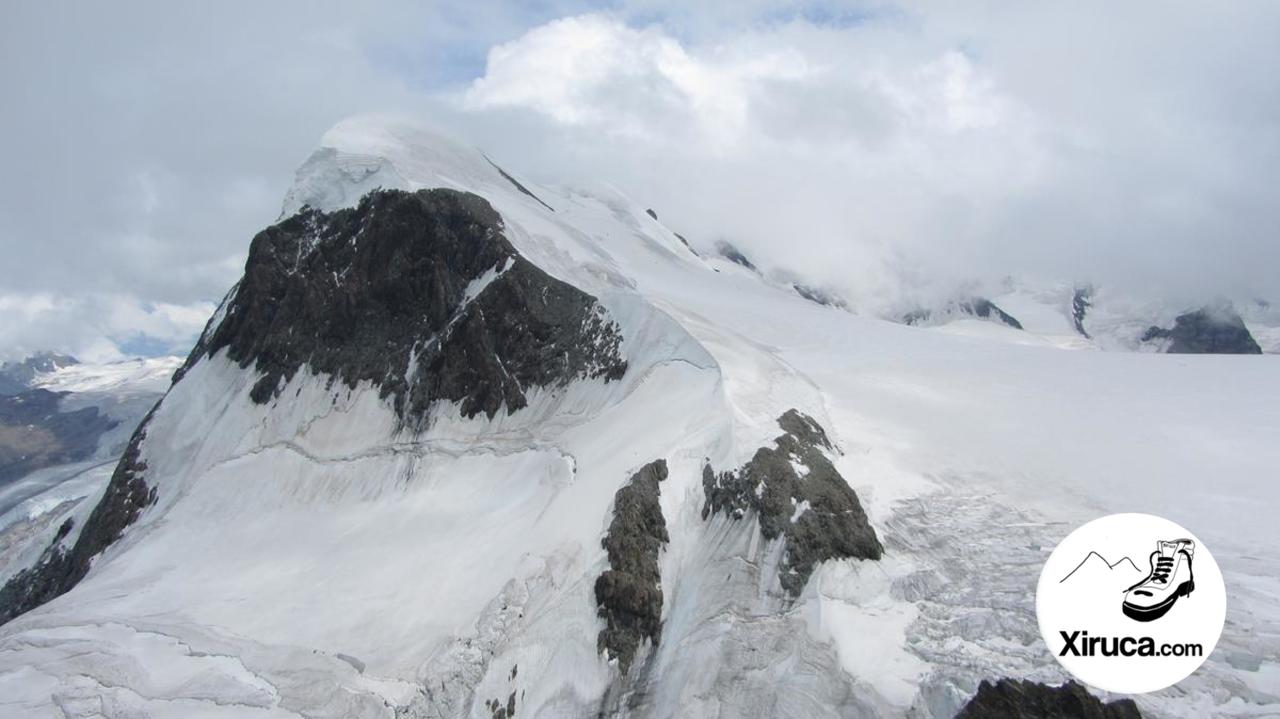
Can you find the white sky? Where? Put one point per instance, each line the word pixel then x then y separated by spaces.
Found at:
pixel 886 149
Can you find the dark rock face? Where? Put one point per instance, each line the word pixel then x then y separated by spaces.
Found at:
pixel 1017 699
pixel 813 294
pixel 629 593
pixel 34 434
pixel 519 186
pixel 798 495
pixel 59 569
pixel 1208 330
pixel 379 293
pixel 975 306
pixel 498 710
pixel 651 213
pixel 686 244
pixel 986 309
pixel 732 254
pixel 16 377
pixel 1081 301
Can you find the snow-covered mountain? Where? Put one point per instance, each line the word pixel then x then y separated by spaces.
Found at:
pixel 1081 316
pixel 19 376
pixel 460 444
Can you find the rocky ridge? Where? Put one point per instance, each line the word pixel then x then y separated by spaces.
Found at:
pixel 1209 330
pixel 629 593
pixel 797 495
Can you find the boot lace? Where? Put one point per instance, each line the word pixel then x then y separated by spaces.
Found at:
pixel 1164 565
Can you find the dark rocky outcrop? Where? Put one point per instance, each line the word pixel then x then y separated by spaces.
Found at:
pixel 734 255
pixel 1081 301
pixel 35 434
pixel 819 296
pixel 974 306
pixel 379 293
pixel 1215 329
pixel 796 494
pixel 519 186
pixel 651 213
pixel 59 568
pixel 1017 699
pixel 986 309
pixel 498 710
pixel 629 592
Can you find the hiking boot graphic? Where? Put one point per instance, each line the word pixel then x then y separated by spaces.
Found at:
pixel 1169 579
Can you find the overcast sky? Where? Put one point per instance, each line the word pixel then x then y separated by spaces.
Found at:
pixel 878 147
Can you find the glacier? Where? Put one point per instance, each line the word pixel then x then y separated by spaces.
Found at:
pixel 311 554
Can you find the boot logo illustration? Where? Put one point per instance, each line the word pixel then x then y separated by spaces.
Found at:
pixel 1171 577
pixel 1131 603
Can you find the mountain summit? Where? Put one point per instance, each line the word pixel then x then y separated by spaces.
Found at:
pixel 462 444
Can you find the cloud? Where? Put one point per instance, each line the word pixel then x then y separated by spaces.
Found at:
pixel 886 148
pixel 96 326
pixel 831 151
pixel 597 73
pixel 891 149
pixel 146 143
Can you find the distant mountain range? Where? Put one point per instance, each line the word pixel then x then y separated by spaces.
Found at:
pixel 17 377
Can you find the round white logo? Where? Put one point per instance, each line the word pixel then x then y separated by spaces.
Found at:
pixel 1131 603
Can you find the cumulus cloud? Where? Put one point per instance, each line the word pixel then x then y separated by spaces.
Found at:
pixel 598 73
pixel 909 148
pixel 97 327
pixel 831 151
pixel 146 143
pixel 890 149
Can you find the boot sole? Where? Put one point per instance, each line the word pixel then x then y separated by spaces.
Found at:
pixel 1152 613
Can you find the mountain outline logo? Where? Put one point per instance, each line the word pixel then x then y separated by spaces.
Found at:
pixel 1110 565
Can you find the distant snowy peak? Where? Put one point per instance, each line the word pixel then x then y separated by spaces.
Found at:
pixel 18 376
pixel 727 250
pixel 979 307
pixel 781 278
pixel 1213 329
pixel 1085 316
pixel 149 375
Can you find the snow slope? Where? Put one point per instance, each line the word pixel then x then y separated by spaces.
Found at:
pixel 311 557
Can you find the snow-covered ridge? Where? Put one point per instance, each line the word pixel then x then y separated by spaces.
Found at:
pixel 150 375
pixel 311 554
